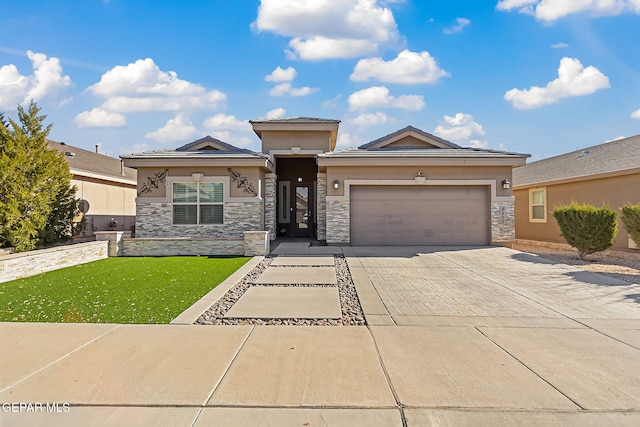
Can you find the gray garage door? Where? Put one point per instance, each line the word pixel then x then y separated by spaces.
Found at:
pixel 417 215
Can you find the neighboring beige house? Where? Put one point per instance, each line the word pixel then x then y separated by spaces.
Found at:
pixel 106 188
pixel 407 188
pixel 605 174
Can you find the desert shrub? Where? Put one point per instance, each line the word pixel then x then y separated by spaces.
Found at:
pixel 631 220
pixel 587 228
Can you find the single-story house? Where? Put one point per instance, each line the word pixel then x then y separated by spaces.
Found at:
pixel 604 174
pixel 106 188
pixel 406 188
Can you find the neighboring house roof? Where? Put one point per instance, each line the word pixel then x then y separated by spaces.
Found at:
pixel 94 165
pixel 607 159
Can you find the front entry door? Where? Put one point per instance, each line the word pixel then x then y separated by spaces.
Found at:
pixel 302 212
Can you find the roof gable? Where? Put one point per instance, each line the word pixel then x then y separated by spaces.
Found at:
pixel 208 143
pixel 409 137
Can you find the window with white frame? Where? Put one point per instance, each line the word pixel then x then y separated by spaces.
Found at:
pixel 198 203
pixel 538 205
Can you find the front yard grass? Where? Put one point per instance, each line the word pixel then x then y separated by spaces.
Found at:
pixel 115 290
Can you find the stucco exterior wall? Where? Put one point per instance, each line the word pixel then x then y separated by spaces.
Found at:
pixel 306 140
pixel 613 192
pixel 254 175
pixel 106 200
pixel 382 172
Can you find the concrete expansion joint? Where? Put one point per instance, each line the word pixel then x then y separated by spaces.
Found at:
pixel 514 357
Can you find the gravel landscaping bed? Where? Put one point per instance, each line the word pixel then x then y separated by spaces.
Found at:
pixel 617 264
pixel 352 314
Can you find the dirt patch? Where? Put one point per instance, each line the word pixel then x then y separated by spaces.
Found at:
pixel 616 264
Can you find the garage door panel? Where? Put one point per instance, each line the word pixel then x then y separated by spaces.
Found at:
pixel 410 215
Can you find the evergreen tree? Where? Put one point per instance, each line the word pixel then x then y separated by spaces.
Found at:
pixel 37 203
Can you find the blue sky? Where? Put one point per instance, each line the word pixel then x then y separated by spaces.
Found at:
pixel 534 76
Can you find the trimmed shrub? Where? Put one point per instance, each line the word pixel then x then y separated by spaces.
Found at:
pixel 587 228
pixel 631 220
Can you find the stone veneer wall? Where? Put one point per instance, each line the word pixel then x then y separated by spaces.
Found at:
pixel 163 246
pixel 253 243
pixel 155 220
pixel 270 191
pixel 321 206
pixel 30 263
pixel 502 222
pixel 338 222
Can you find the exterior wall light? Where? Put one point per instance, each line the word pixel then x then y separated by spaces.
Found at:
pixel 197 177
pixel 299 179
pixel 506 184
pixel 336 184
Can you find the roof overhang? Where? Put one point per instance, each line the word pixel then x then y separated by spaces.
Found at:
pixel 200 161
pixel 420 161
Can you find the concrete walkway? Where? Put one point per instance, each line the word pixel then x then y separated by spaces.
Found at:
pixel 466 336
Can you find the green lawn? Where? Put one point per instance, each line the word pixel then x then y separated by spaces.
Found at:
pixel 115 290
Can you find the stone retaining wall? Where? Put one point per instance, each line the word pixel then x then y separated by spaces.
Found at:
pixel 25 264
pixel 251 244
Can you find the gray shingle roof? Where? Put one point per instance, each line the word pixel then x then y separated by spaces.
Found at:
pixel 610 157
pixel 409 129
pixel 421 153
pixel 89 161
pixel 301 120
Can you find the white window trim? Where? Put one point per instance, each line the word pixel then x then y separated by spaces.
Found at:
pixel 189 180
pixel 531 218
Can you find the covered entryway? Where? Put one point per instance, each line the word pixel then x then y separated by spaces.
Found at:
pixel 419 215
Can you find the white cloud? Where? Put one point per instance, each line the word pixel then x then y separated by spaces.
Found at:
pixel 636 114
pixel 617 138
pixel 284 86
pixel 408 68
pixel 461 129
pixel 46 81
pixel 458 27
pixel 135 148
pixel 180 128
pixel 369 119
pixel 141 86
pixel 573 80
pixel 559 46
pixel 100 118
pixel 321 29
pixel 13 86
pixel 550 10
pixel 280 75
pixel 226 122
pixel 379 97
pixel 276 113
pixel 346 139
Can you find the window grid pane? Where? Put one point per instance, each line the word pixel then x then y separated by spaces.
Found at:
pixel 211 192
pixel 537 212
pixel 185 214
pixel 185 192
pixel 211 214
pixel 198 203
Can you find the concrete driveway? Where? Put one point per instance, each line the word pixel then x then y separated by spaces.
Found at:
pixel 457 336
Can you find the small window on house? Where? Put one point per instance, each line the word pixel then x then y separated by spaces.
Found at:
pixel 198 203
pixel 538 205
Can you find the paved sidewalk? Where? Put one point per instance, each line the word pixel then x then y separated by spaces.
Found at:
pixel 552 346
